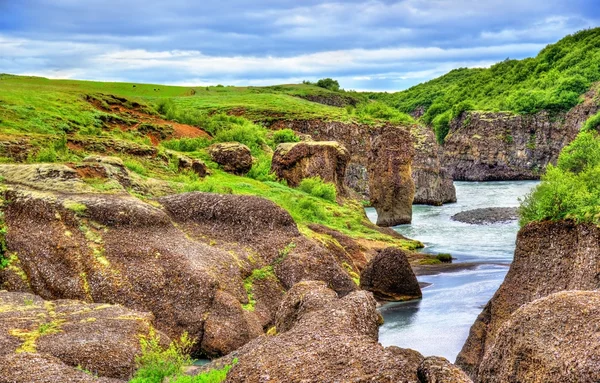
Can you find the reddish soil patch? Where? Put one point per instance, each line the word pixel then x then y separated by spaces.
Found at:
pixel 138 115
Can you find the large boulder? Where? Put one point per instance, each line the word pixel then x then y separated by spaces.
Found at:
pixel 435 369
pixel 555 339
pixel 390 179
pixel 234 157
pixel 323 338
pixel 104 338
pixel 390 277
pixel 294 162
pixel 550 257
pixel 213 265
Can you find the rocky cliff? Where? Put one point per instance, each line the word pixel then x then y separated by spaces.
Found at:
pixel 490 146
pixel 550 257
pixel 432 184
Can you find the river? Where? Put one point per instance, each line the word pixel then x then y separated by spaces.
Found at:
pixel 439 323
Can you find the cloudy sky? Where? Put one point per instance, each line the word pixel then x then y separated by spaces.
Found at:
pixel 365 44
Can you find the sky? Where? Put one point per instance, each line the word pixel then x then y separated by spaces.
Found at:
pixel 377 45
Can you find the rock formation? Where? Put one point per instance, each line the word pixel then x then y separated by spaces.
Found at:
pixel 213 265
pixel 391 185
pixel 550 257
pixel 326 159
pixel 488 146
pixel 232 156
pixel 323 338
pixel 551 340
pixel 390 277
pixel 65 334
pixel 435 369
pixel 432 184
pixel 487 215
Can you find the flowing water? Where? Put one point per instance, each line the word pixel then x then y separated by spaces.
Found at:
pixel 439 323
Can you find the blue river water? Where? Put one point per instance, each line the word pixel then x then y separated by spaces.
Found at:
pixel 439 323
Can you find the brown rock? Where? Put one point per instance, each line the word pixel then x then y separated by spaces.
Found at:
pixel 189 259
pixel 489 146
pixel 101 338
pixel 435 369
pixel 390 181
pixel 326 339
pixel 38 368
pixel 232 156
pixel 433 185
pixel 550 257
pixel 389 277
pixel 555 339
pixel 296 161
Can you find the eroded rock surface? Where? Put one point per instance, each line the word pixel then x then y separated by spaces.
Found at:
pixel 323 338
pixel 294 162
pixel 215 266
pixel 488 146
pixel 550 257
pixel 64 334
pixel 435 369
pixel 390 179
pixel 555 339
pixel 390 277
pixel 234 157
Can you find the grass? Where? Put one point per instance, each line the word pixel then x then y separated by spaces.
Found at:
pixel 316 187
pixel 257 274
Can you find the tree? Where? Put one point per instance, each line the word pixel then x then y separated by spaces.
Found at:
pixel 329 83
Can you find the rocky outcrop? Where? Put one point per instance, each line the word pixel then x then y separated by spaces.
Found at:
pixel 435 369
pixel 331 99
pixel 232 156
pixel 487 215
pixel 550 257
pixel 323 338
pixel 67 334
pixel 389 277
pixel 213 265
pixel 325 159
pixel 433 185
pixel 390 180
pixel 551 340
pixel 489 146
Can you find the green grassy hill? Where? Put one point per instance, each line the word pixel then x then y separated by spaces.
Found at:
pixel 553 81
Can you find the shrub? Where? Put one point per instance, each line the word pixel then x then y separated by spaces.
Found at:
pixel 441 126
pixel 378 110
pixel 285 135
pixel 317 188
pixel 261 169
pixel 252 135
pixel 569 190
pixel 444 257
pixel 187 144
pixel 592 123
pixel 328 83
pixel 155 363
pixel 311 210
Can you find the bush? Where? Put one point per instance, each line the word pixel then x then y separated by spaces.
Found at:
pixel 187 144
pixel 370 111
pixel 571 189
pixel 329 83
pixel 252 135
pixel 441 126
pixel 592 123
pixel 285 135
pixel 261 169
pixel 317 188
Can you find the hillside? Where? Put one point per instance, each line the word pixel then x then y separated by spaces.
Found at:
pixel 552 81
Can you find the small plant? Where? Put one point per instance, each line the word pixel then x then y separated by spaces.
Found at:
pixel 444 257
pixel 75 207
pixel 283 253
pixel 317 188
